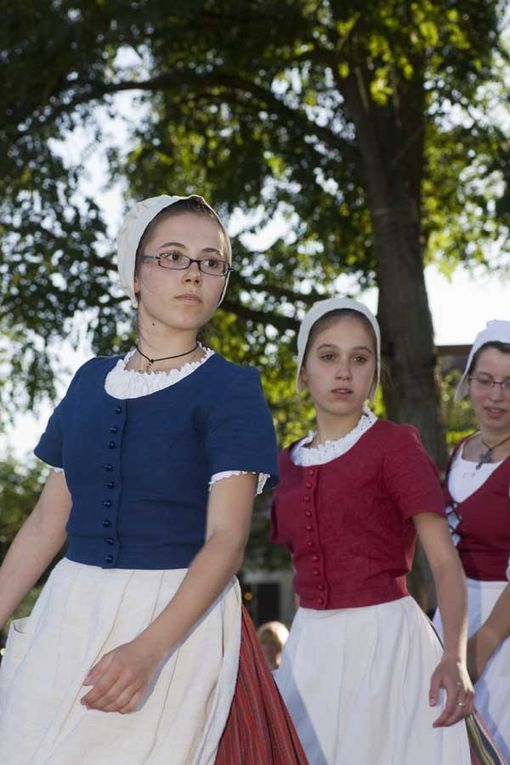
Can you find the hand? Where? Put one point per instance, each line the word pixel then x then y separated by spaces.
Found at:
pixel 481 645
pixel 121 679
pixel 451 674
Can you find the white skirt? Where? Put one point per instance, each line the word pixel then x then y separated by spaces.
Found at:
pixel 492 691
pixel 356 682
pixel 84 612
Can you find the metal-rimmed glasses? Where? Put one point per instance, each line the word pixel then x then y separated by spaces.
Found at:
pixel 176 261
pixel 488 383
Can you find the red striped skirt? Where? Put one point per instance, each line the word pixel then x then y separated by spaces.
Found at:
pixel 259 730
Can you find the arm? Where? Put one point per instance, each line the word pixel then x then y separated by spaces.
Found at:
pixel 35 545
pixel 451 673
pixel 121 678
pixel 496 629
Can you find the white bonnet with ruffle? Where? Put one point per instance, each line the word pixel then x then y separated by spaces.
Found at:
pixel 132 229
pixel 320 309
pixel 496 331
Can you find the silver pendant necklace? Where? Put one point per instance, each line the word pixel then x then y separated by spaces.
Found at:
pixel 485 457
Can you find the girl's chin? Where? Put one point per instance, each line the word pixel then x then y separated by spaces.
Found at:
pixel 186 323
pixel 339 408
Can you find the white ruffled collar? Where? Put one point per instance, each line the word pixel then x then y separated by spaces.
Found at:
pixel 304 455
pixel 128 383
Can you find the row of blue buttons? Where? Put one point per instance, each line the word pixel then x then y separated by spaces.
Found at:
pixel 110 485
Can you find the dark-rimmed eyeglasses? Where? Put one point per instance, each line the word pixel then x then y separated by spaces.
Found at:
pixel 488 383
pixel 176 261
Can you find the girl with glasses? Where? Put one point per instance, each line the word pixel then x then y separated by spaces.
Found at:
pixel 137 651
pixel 363 673
pixel 477 490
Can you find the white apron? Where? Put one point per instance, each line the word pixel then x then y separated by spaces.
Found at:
pixel 356 682
pixel 492 691
pixel 84 612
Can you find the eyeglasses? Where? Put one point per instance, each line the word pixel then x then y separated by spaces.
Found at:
pixel 176 261
pixel 488 383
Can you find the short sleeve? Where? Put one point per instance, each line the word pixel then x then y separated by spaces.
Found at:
pixel 261 478
pixel 410 475
pixel 239 433
pixel 50 448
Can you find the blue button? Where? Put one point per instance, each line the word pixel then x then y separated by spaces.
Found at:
pixel 107 503
pixel 107 523
pixel 111 444
pixel 114 429
pixel 118 410
pixel 109 559
pixel 108 467
pixel 110 485
pixel 109 540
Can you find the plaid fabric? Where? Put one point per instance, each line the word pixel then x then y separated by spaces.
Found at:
pixel 259 730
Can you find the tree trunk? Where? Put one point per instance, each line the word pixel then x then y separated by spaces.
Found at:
pixel 391 151
pixel 392 160
pixel 411 394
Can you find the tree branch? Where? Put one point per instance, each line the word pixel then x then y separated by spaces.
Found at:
pixel 278 321
pixel 92 90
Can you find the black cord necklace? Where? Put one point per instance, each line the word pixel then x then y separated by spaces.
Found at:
pixel 485 457
pixel 165 358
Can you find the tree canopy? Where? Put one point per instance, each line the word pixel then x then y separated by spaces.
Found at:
pixel 20 485
pixel 368 130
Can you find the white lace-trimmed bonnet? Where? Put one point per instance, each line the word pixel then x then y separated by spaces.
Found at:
pixel 132 229
pixel 496 331
pixel 320 309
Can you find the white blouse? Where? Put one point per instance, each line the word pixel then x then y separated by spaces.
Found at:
pixel 465 477
pixel 128 383
pixel 304 455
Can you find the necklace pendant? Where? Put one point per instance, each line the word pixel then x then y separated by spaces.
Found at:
pixel 484 459
pixel 164 358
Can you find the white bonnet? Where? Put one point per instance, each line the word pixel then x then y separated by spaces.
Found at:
pixel 496 331
pixel 320 309
pixel 132 229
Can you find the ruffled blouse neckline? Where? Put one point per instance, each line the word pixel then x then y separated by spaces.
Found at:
pixel 303 455
pixel 125 383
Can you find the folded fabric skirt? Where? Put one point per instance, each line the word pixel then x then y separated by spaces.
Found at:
pixel 356 682
pixel 492 691
pixel 259 729
pixel 84 612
